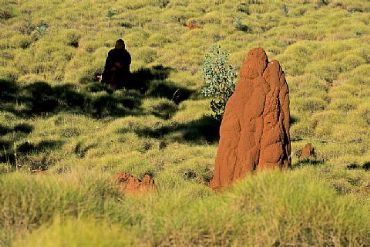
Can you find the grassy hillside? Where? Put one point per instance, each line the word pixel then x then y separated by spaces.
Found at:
pixel 55 117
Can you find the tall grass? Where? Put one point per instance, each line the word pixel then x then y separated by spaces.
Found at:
pixel 52 116
pixel 291 208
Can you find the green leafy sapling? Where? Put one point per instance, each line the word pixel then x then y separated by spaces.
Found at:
pixel 220 79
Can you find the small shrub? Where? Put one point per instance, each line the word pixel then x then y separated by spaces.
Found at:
pixel 220 78
pixel 42 27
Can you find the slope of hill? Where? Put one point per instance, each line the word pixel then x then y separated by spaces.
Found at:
pixel 54 117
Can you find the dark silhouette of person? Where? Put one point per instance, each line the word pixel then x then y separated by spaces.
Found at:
pixel 117 66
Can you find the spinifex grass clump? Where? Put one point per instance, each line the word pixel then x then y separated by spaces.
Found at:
pixel 79 232
pixel 84 133
pixel 219 79
pixel 294 208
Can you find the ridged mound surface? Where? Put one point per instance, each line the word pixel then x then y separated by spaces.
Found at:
pixel 254 133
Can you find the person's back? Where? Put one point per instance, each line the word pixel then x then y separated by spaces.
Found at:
pixel 117 67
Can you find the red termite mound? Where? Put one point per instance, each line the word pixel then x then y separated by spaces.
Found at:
pixel 129 184
pixel 308 151
pixel 254 132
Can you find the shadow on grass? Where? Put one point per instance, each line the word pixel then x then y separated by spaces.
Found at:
pixel 200 131
pixel 153 83
pixel 93 99
pixel 11 152
pixel 293 119
pixel 7 147
pixel 23 128
pixel 27 147
pixel 308 162
pixel 354 166
pixel 142 78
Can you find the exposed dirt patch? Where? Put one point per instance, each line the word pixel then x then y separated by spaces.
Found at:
pixel 129 184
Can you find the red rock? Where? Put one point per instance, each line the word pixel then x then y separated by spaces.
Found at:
pixel 129 184
pixel 254 132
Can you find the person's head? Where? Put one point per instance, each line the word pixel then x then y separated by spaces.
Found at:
pixel 120 44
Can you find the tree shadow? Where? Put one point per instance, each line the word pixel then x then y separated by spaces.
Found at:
pixel 152 82
pixel 200 131
pixel 93 99
pixel 11 152
pixel 142 78
pixel 28 147
pixel 164 89
pixel 164 110
pixel 40 98
pixel 23 128
pixel 6 146
pixel 7 90
pixel 4 130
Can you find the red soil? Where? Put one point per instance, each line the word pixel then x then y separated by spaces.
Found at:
pixel 308 151
pixel 129 184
